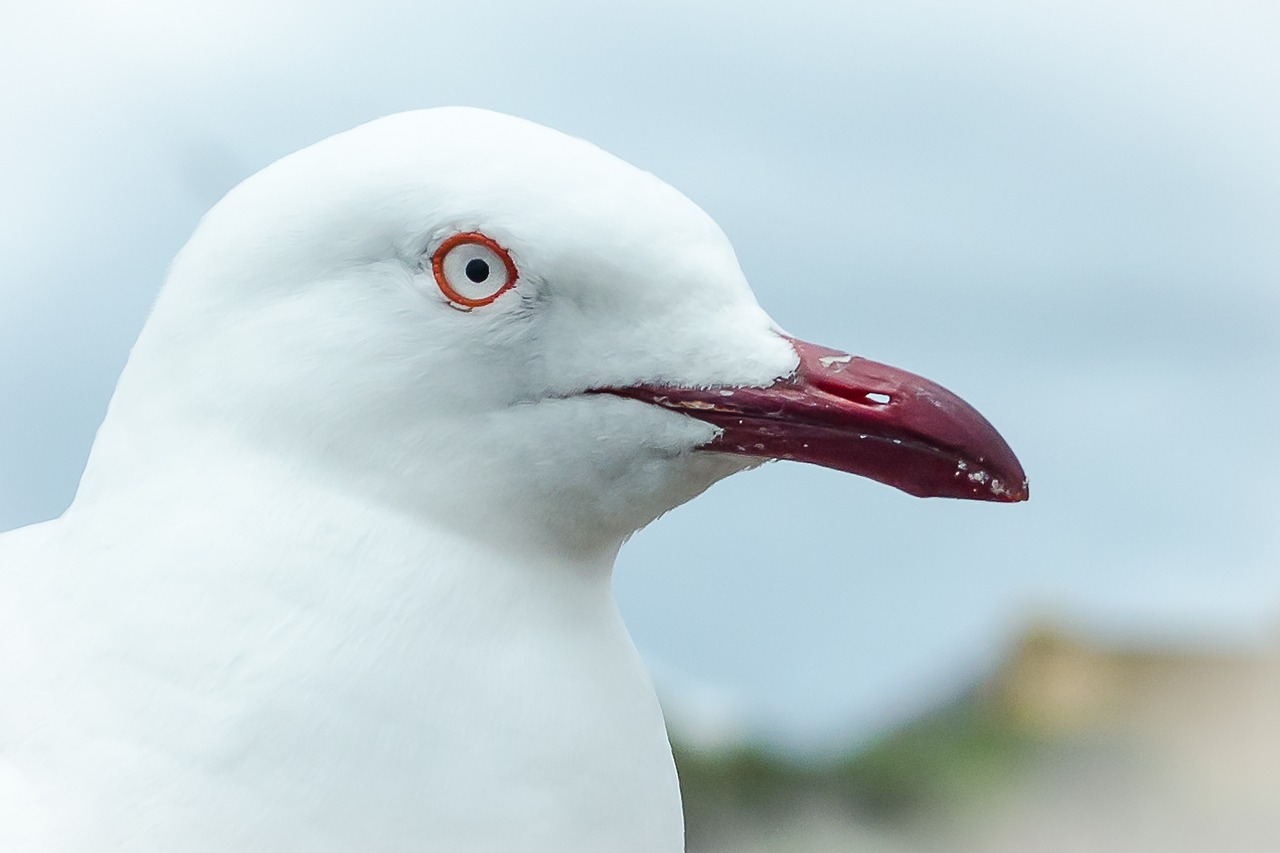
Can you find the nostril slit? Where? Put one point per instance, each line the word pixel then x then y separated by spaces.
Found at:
pixel 852 393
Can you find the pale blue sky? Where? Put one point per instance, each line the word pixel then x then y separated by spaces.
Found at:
pixel 1067 213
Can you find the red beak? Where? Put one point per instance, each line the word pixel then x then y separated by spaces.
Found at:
pixel 855 415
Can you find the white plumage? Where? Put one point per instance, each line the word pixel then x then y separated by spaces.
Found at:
pixel 337 576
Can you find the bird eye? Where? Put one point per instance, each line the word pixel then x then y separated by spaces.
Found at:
pixel 472 270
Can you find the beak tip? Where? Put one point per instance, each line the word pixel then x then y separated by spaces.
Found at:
pixel 1018 494
pixel 1012 487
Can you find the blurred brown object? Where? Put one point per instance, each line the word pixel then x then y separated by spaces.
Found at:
pixel 1079 740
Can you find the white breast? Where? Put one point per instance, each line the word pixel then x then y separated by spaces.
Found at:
pixel 249 680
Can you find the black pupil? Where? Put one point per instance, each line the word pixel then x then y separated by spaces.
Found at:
pixel 477 270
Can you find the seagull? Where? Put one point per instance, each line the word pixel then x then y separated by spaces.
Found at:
pixel 337 575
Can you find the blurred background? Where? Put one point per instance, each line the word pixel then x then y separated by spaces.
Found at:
pixel 1069 213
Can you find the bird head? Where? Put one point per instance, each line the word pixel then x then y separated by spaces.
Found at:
pixel 488 323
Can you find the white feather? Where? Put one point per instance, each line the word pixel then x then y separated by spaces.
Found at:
pixel 337 576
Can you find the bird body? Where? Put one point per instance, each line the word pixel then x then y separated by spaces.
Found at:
pixel 337 574
pixel 296 671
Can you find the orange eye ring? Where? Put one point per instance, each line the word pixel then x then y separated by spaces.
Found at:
pixel 471 238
